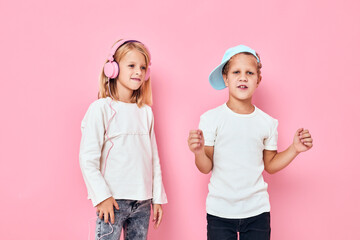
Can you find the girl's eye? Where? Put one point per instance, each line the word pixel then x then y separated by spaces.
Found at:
pixel 251 73
pixel 236 72
pixel 131 65
pixel 143 68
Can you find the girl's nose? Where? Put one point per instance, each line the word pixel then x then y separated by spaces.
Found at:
pixel 138 71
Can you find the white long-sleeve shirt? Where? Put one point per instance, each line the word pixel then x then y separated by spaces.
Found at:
pixel 132 169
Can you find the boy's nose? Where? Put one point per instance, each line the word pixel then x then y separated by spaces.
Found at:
pixel 243 79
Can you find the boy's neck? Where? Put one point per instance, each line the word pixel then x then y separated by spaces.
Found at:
pixel 240 107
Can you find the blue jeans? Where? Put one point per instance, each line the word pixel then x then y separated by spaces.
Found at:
pixel 252 228
pixel 132 216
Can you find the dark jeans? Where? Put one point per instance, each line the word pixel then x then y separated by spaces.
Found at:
pixel 133 217
pixel 252 228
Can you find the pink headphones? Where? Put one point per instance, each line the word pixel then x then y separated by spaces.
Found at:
pixel 111 68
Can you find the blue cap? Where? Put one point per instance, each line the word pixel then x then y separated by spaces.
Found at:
pixel 215 78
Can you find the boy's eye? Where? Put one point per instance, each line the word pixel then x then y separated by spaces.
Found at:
pixel 236 72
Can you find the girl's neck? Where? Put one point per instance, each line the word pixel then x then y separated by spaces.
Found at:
pixel 240 107
pixel 125 100
pixel 124 94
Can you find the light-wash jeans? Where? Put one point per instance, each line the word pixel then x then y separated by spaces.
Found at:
pixel 132 216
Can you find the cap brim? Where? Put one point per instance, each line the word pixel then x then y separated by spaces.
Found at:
pixel 216 78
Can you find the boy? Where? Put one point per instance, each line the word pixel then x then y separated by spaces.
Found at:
pixel 237 141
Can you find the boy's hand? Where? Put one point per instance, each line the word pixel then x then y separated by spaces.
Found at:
pixel 106 208
pixel 196 141
pixel 158 213
pixel 302 140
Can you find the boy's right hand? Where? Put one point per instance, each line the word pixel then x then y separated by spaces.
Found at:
pixel 196 141
pixel 106 208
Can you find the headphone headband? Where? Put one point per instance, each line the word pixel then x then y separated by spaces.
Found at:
pixel 122 42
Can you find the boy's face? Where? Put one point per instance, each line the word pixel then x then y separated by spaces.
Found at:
pixel 242 78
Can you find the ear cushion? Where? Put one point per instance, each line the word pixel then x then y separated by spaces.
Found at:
pixel 111 69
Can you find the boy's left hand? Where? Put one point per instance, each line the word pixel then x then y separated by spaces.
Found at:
pixel 158 213
pixel 302 140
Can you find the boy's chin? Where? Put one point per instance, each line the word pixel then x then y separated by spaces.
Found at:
pixel 241 98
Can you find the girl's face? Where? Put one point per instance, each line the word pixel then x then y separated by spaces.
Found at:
pixel 242 78
pixel 132 71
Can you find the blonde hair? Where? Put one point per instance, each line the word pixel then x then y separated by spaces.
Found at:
pixel 225 69
pixel 141 96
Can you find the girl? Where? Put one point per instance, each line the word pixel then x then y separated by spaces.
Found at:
pixel 118 152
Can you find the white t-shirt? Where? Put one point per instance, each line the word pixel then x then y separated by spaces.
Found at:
pixel 133 167
pixel 237 188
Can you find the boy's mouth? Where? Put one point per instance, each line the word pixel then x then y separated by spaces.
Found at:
pixel 242 87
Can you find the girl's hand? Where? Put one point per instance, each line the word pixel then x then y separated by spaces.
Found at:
pixel 196 141
pixel 106 208
pixel 302 140
pixel 158 213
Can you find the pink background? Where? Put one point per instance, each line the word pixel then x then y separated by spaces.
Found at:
pixel 51 56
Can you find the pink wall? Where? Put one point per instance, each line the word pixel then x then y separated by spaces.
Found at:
pixel 51 55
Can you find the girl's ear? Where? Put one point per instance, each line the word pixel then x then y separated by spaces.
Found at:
pixel 225 80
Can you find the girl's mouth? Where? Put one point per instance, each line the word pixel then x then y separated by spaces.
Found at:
pixel 136 79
